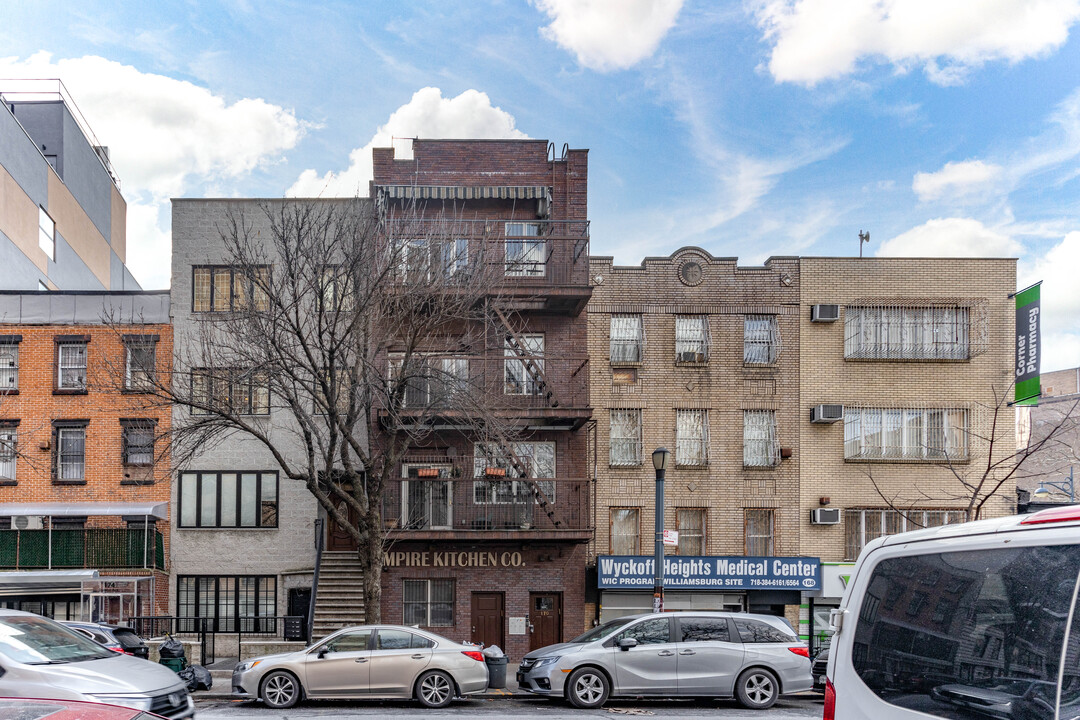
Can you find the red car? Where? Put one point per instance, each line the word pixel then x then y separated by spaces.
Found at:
pixel 24 709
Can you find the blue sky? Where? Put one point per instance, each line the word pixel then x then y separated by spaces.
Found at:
pixel 767 127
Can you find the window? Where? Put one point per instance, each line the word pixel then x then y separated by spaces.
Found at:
pixel 46 233
pixel 862 526
pixel 703 629
pixel 230 603
pixel 524 375
pixel 429 260
pixel 526 251
pixel 137 442
pixel 906 333
pixel 431 381
pixel 906 434
pixel 427 496
pixel 356 641
pixel 527 459
pixel 757 631
pixel 139 362
pixel 429 603
pixel 9 444
pixel 70 454
pixel 691 338
pixel 648 632
pixel 760 524
pixel 627 339
pixel 760 446
pixel 228 499
pixel 761 339
pixel 690 523
pixel 1010 635
pixel 228 390
pixel 71 365
pixel 223 288
pixel 624 376
pixel 9 363
pixel 625 437
pixel 625 531
pixel 691 437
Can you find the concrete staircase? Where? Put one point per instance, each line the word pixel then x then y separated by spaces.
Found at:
pixel 339 600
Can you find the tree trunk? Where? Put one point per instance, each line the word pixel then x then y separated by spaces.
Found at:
pixel 370 553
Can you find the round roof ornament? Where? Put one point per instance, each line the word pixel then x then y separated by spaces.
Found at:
pixel 691 273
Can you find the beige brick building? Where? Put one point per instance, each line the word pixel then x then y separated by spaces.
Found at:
pixel 701 356
pixel 915 354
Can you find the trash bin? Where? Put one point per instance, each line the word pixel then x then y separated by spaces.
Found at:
pixel 178 664
pixel 496 672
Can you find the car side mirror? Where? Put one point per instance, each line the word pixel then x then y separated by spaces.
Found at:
pixel 627 643
pixel 322 652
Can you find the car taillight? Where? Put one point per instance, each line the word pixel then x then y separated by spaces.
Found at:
pixel 474 654
pixel 830 701
pixel 800 650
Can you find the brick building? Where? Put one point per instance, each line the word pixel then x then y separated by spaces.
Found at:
pixel 701 356
pixel 1056 466
pixel 899 362
pixel 63 221
pixel 476 552
pixel 84 462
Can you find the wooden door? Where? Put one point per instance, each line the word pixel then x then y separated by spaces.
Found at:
pixel 338 538
pixel 545 616
pixel 488 618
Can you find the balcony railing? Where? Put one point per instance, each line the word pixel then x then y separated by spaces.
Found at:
pixel 525 254
pixel 85 548
pixel 490 502
pixel 498 383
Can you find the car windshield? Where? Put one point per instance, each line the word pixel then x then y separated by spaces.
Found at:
pixel 601 630
pixel 39 641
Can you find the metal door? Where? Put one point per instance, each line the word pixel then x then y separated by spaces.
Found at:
pixel 343 670
pixel 545 617
pixel 650 668
pixel 395 663
pixel 709 656
pixel 488 618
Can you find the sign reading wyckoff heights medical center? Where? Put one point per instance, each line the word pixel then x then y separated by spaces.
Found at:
pixel 710 572
pixel 1028 347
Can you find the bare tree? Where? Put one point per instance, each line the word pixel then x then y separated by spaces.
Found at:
pixel 348 329
pixel 997 461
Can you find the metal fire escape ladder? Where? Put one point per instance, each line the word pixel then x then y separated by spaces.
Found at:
pixel 534 369
pixel 523 475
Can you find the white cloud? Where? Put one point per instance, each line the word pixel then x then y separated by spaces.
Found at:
pixel 162 132
pixel 1060 300
pixel 148 244
pixel 609 34
pixel 956 179
pixel 815 40
pixel 950 237
pixel 427 115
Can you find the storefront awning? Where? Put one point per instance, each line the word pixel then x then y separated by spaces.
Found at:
pixel 85 509
pixel 461 192
pixel 19 582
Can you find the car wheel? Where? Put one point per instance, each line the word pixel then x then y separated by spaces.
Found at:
pixel 587 688
pixel 435 689
pixel 280 689
pixel 757 689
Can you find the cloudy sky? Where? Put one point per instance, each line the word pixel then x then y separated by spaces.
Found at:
pixel 751 129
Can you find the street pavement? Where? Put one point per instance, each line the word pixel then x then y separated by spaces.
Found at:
pixel 803 706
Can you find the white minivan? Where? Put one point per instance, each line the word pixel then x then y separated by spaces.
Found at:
pixel 967 622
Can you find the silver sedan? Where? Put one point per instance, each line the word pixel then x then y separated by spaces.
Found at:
pixel 366 662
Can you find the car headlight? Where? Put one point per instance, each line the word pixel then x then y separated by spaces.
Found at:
pixel 136 702
pixel 247 665
pixel 549 660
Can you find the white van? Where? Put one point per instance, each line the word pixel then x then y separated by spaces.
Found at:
pixel 970 621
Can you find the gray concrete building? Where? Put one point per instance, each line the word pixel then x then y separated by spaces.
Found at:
pixel 63 221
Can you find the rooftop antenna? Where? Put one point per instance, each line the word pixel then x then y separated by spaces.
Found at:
pixel 864 237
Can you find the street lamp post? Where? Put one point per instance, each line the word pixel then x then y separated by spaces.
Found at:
pixel 660 458
pixel 1041 493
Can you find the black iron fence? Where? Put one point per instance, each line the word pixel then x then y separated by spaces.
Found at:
pixel 82 548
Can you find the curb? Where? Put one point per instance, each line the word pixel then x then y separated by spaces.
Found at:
pixel 491 694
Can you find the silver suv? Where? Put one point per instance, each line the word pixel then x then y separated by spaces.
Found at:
pixel 753 658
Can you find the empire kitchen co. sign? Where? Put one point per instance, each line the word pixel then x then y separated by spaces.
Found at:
pixel 428 558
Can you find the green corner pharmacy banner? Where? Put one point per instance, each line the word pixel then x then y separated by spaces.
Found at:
pixel 1028 350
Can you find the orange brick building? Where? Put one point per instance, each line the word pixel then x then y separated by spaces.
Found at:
pixel 84 464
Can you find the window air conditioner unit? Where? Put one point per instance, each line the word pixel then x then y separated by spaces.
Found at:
pixel 27 522
pixel 826 413
pixel 689 356
pixel 825 516
pixel 824 313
